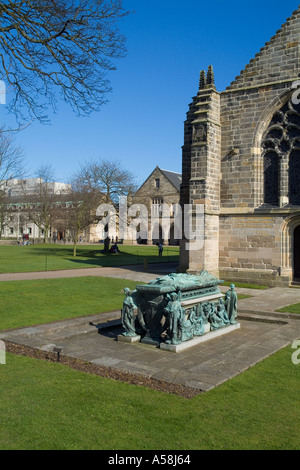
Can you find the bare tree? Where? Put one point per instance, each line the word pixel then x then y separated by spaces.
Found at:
pixel 59 45
pixel 43 203
pixel 11 158
pixel 109 178
pixel 112 181
pixel 11 166
pixel 5 212
pixel 79 211
pixel 12 215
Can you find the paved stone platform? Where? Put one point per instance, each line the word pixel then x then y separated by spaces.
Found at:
pixel 202 367
pixel 94 338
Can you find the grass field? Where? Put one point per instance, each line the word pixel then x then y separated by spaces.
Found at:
pixel 291 308
pixel 49 406
pixel 15 258
pixel 28 303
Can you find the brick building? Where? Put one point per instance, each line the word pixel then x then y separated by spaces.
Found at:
pixel 241 161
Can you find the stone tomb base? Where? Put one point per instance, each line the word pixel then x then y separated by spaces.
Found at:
pixel 129 339
pixel 209 335
pixel 199 339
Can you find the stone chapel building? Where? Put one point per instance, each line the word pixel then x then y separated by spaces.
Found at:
pixel 162 187
pixel 241 161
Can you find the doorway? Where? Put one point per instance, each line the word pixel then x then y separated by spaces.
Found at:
pixel 297 253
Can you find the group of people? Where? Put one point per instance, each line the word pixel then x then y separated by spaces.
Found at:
pixel 25 240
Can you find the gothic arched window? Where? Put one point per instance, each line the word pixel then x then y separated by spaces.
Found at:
pixel 281 154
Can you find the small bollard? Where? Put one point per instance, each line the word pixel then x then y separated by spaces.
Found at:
pixel 58 351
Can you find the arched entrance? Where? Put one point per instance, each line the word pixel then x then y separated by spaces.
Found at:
pixel 297 253
pixel 290 247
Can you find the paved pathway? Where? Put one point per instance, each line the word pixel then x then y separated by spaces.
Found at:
pixel 262 333
pixel 267 301
pixel 135 273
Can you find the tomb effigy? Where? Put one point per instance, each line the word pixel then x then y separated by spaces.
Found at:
pixel 177 311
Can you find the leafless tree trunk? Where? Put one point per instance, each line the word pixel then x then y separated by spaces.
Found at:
pixel 43 204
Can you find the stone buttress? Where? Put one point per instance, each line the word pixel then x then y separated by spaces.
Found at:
pixel 201 177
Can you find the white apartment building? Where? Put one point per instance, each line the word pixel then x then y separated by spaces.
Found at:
pixel 15 225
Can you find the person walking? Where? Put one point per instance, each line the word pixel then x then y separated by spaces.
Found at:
pixel 160 249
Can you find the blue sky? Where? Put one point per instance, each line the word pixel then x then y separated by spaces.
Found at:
pixel 168 43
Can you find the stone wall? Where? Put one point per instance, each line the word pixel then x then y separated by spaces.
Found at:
pixel 250 248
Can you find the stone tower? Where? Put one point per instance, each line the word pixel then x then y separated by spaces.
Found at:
pixel 241 163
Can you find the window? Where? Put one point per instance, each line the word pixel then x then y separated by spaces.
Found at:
pixel 281 157
pixel 271 178
pixel 156 206
pixel 157 183
pixel 294 177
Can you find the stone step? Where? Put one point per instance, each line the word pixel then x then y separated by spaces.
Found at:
pixel 295 284
pixel 261 319
pixel 279 315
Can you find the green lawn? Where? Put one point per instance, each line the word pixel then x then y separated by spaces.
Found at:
pixel 49 406
pixel 247 286
pixel 291 308
pixel 27 303
pixel 30 258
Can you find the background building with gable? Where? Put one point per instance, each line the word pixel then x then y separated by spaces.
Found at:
pixel 161 188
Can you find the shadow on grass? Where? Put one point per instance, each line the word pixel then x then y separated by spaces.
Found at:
pixel 85 250
pixel 121 259
pixel 154 266
pixel 57 257
pixel 62 251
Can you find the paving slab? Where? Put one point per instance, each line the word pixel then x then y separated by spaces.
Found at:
pixel 203 367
